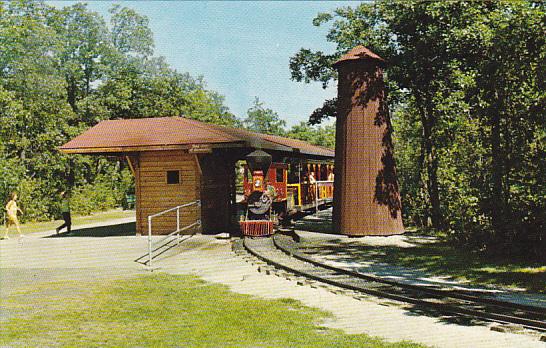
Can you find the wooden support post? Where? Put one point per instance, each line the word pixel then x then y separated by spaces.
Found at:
pixel 198 164
pixel 130 165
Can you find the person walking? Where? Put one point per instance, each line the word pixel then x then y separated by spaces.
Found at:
pixel 65 210
pixel 12 219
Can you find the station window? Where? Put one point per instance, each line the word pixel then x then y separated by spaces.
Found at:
pixel 173 177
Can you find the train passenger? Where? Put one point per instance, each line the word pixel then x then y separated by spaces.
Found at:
pixel 312 179
pixel 312 186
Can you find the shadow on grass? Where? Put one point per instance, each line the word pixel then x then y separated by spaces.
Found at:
pixel 438 259
pixel 426 256
pixel 125 229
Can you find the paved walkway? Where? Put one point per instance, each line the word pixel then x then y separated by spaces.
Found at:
pixel 44 256
pixel 37 259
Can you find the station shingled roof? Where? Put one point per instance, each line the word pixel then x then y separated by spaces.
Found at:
pixel 170 133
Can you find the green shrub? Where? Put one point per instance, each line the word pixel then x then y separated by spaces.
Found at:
pixel 35 200
pixel 90 198
pixel 39 198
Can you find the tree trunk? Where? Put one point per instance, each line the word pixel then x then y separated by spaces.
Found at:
pixel 431 161
pixel 425 219
pixel 497 196
pixel 434 192
pixel 71 93
pixel 432 174
pixel 88 74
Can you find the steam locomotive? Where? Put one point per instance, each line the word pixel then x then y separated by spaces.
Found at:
pixel 276 191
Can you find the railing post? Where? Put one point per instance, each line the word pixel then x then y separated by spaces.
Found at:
pixel 178 219
pixel 150 241
pixel 170 235
pixel 316 198
pixel 178 226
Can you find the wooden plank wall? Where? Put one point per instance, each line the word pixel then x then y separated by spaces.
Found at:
pixel 155 195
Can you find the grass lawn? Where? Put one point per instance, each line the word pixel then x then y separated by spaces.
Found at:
pixel 33 227
pixel 436 258
pixel 164 310
pixel 441 259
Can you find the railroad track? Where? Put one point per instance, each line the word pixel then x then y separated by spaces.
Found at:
pixel 280 253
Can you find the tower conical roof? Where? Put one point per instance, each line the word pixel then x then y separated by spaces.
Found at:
pixel 358 53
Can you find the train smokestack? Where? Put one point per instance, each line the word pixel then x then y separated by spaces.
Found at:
pixel 366 195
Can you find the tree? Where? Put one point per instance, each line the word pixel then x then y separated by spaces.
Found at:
pixel 508 95
pixel 317 135
pixel 465 82
pixel 84 48
pixel 31 79
pixel 62 71
pixel 412 36
pixel 131 34
pixel 263 120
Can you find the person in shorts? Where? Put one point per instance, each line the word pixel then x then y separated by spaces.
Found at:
pixel 12 209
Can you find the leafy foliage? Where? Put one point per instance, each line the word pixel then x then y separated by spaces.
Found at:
pixel 263 120
pixel 64 70
pixel 101 195
pixel 316 135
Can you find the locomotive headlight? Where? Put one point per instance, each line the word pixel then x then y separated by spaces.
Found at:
pixel 258 183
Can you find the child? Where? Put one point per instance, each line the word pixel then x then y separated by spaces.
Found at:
pixel 12 210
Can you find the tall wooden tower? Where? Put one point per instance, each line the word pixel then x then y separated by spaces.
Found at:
pixel 366 195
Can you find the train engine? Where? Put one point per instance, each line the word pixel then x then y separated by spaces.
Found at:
pixel 258 220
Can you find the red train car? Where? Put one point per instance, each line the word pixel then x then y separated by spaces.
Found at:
pixel 292 189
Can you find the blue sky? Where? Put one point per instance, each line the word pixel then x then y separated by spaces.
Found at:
pixel 241 48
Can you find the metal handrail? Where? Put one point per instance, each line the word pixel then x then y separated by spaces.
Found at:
pixel 170 235
pixel 298 189
pixel 317 184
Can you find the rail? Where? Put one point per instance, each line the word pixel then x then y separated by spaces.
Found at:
pixel 157 245
pixel 438 300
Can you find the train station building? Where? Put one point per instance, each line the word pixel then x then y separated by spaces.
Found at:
pixel 177 160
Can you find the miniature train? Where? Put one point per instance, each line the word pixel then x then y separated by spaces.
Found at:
pixel 276 191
